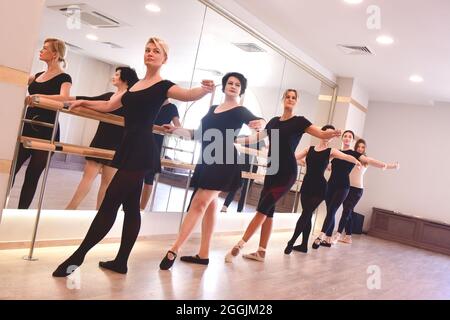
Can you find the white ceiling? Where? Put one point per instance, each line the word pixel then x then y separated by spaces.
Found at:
pixel 421 29
pixel 180 24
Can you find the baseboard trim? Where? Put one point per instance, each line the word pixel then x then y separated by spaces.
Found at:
pixel 75 242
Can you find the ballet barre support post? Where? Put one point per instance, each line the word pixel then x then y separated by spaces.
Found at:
pixel 42 191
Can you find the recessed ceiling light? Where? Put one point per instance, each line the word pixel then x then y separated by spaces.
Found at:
pixel 153 7
pixel 416 78
pixel 353 1
pixel 92 37
pixel 385 40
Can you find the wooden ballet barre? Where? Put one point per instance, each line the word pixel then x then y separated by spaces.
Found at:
pixel 45 145
pixel 176 164
pixel 251 151
pixel 48 104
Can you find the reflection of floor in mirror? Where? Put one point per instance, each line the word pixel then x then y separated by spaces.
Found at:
pixel 342 272
pixel 62 184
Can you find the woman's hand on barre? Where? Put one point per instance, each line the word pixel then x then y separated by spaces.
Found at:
pixel 182 132
pixel 29 99
pixel 74 104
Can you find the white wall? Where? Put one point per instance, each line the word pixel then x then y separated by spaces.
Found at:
pixel 417 137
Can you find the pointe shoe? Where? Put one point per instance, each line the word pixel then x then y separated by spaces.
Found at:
pixel 347 239
pixel 336 238
pixel 254 256
pixel 233 253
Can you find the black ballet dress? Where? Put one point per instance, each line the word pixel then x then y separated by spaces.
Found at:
pixel 108 136
pixel 38 158
pixel 49 87
pixel 137 150
pixel 278 184
pixel 220 174
pixel 165 116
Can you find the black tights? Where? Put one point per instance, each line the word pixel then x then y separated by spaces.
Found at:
pixel 334 199
pixel 125 188
pixel 309 205
pixel 349 205
pixel 38 160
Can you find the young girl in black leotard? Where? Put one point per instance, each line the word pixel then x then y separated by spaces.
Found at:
pixel 211 176
pixel 338 188
pixel 108 136
pixel 314 187
pixel 356 191
pixel 134 158
pixel 53 84
pixel 290 129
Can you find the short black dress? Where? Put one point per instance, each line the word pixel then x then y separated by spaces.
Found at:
pixel 221 175
pixel 107 136
pixel 137 150
pixel 49 87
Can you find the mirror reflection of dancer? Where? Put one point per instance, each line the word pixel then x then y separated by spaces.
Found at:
pixel 356 191
pixel 338 188
pixel 134 157
pixel 314 186
pixel 246 183
pixel 107 136
pixel 212 177
pixel 168 114
pixel 291 129
pixel 52 84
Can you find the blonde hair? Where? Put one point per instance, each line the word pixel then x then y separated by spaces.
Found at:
pixel 59 47
pixel 290 90
pixel 160 44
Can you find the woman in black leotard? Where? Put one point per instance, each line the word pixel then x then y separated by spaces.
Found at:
pixel 108 136
pixel 135 156
pixel 53 84
pixel 290 129
pixel 338 188
pixel 314 186
pixel 218 169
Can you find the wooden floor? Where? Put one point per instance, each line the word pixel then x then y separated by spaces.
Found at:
pixel 328 273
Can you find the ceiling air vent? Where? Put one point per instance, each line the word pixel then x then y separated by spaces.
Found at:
pixel 249 47
pixel 72 46
pixel 355 50
pixel 112 45
pixel 89 16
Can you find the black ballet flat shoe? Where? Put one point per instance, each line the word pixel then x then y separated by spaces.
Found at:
pixel 195 259
pixel 64 270
pixel 323 243
pixel 301 248
pixel 166 263
pixel 288 248
pixel 316 245
pixel 113 266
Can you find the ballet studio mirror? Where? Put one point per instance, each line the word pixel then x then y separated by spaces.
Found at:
pixel 204 44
